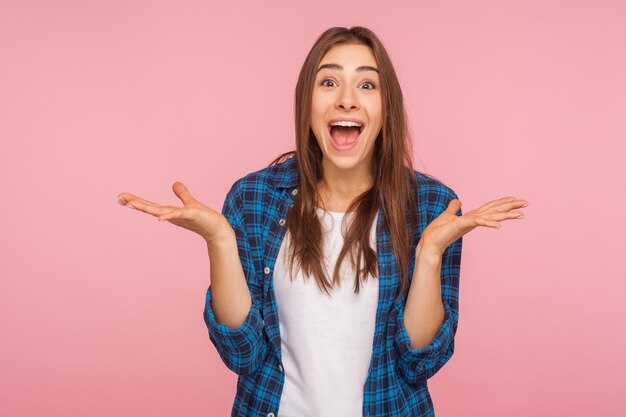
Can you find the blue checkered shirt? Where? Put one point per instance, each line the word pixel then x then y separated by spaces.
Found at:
pixel 256 207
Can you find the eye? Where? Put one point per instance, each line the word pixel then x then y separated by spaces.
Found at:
pixel 322 83
pixel 371 84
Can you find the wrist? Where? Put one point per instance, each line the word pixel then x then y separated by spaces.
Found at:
pixel 428 251
pixel 221 240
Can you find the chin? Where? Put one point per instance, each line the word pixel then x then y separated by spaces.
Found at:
pixel 344 161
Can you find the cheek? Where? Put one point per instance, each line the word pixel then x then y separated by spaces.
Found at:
pixel 317 99
pixel 376 117
pixel 373 106
pixel 317 110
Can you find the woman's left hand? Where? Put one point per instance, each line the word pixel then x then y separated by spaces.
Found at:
pixel 448 227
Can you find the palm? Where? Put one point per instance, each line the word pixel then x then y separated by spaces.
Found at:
pixel 193 216
pixel 448 227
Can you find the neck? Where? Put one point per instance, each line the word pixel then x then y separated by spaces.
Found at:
pixel 339 187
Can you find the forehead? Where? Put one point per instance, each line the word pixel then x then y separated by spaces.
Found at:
pixel 349 56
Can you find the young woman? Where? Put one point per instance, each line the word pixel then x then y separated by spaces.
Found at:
pixel 335 272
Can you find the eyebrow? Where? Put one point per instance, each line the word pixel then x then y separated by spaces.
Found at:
pixel 339 67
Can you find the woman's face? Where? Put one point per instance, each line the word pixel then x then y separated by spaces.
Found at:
pixel 347 88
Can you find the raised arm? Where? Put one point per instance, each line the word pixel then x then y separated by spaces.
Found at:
pixel 232 316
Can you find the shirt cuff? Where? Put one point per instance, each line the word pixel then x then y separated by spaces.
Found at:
pixel 244 339
pixel 424 359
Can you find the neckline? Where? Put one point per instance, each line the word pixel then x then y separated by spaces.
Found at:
pixel 338 213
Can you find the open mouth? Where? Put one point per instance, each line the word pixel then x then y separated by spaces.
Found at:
pixel 345 136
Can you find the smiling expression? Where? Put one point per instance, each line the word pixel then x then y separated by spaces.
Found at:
pixel 347 88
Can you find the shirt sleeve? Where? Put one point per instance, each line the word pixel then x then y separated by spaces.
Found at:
pixel 417 365
pixel 241 349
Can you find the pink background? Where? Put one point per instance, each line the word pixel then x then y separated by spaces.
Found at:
pixel 101 306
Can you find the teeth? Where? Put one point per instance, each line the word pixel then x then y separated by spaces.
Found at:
pixel 345 124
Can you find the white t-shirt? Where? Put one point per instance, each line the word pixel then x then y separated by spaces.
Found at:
pixel 326 343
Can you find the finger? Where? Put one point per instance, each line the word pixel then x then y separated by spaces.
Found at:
pixel 125 198
pixel 168 216
pixel 508 206
pixel 155 210
pixel 178 213
pixel 182 192
pixel 502 215
pixel 517 203
pixel 481 221
pixel 495 203
pixel 454 205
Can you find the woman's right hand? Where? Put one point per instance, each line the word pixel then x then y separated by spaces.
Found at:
pixel 193 216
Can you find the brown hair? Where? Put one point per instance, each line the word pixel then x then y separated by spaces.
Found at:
pixel 394 187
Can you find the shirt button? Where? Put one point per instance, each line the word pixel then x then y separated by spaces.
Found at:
pixel 270 414
pixel 281 222
pixel 280 367
pixel 294 191
pixel 266 270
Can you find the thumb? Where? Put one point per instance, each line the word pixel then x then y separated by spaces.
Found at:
pixel 454 205
pixel 182 192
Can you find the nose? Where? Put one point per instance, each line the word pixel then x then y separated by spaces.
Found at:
pixel 346 99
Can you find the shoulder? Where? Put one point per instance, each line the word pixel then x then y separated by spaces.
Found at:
pixel 433 193
pixel 264 181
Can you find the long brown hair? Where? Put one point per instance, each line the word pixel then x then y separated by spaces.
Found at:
pixel 394 187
